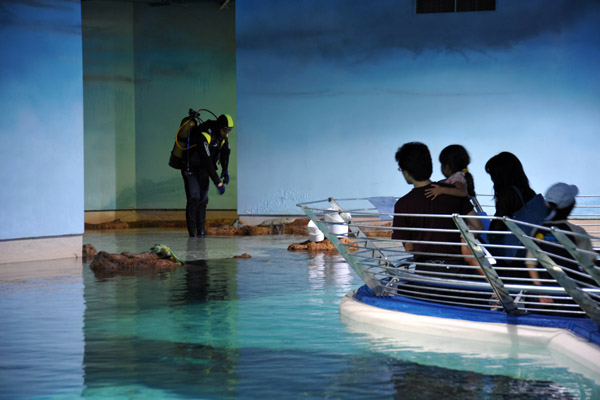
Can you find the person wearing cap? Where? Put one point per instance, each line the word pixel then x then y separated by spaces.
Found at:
pixel 209 147
pixel 560 200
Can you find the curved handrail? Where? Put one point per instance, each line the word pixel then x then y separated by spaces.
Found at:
pixel 470 275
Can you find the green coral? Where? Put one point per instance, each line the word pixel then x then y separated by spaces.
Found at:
pixel 163 251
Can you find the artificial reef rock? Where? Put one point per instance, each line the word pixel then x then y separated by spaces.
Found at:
pixel 88 252
pixel 243 255
pixel 324 246
pixel 105 263
pixel 217 227
pixel 283 226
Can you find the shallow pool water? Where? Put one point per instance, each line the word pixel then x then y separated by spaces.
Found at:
pixel 265 327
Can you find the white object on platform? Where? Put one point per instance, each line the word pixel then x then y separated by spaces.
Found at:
pixel 314 233
pixel 333 219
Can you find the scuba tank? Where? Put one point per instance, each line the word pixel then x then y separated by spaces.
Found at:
pixel 182 139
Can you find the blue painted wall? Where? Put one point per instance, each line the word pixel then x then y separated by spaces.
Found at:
pixel 327 91
pixel 41 129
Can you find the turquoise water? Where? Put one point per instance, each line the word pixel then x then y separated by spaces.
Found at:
pixel 266 327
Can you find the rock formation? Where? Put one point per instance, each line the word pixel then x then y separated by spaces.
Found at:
pixel 324 246
pixel 218 227
pixel 278 227
pixel 88 252
pixel 243 255
pixel 108 264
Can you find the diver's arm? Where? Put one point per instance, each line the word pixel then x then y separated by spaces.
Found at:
pixel 207 162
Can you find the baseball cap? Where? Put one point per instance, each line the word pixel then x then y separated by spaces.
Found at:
pixel 561 194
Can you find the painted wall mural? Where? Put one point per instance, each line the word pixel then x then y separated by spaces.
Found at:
pixel 327 91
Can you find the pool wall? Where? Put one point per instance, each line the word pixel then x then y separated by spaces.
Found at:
pixel 493 331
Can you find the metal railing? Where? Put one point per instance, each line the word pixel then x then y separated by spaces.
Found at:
pixel 455 265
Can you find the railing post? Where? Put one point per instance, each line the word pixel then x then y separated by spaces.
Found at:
pixel 580 297
pixel 365 275
pixel 490 274
pixel 581 258
pixel 375 252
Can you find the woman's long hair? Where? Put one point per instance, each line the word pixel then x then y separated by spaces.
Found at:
pixel 505 170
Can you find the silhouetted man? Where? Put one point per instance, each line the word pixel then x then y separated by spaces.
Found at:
pixel 414 161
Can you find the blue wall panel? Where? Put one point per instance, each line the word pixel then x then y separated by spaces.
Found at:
pixel 41 157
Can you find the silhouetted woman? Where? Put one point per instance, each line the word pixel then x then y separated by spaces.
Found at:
pixel 511 193
pixel 508 176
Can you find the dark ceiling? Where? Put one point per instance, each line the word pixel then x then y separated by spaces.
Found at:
pixel 165 3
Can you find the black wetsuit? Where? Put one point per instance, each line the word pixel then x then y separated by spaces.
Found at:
pixel 206 148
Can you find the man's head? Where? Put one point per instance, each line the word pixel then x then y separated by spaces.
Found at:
pixel 225 123
pixel 414 160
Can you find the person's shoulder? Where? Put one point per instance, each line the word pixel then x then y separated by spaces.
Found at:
pixel 515 192
pixel 209 124
pixel 202 136
pixel 403 198
pixel 576 228
pixel 508 195
pixel 410 196
pixel 506 191
pixel 458 176
pixel 417 192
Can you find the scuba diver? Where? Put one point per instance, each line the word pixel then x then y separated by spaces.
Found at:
pixel 197 150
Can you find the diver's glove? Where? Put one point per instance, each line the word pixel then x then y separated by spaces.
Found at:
pixel 221 188
pixel 225 176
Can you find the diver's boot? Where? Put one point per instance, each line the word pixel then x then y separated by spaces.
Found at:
pixel 201 229
pixel 190 220
pixel 191 227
